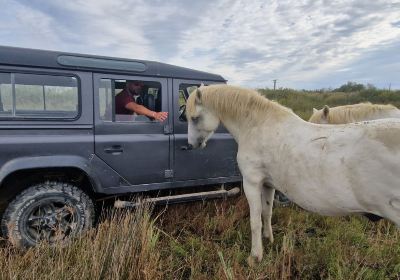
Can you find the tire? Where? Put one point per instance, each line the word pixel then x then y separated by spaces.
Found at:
pixel 50 211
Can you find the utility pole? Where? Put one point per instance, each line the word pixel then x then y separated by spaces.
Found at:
pixel 390 85
pixel 274 83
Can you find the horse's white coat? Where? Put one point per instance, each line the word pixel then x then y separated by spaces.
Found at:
pixel 330 170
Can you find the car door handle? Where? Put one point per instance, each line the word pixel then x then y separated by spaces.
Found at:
pixel 117 149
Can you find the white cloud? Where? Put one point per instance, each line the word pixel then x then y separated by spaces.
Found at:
pixel 248 42
pixel 25 25
pixel 300 42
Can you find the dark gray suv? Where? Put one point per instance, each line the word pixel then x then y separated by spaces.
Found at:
pixel 63 145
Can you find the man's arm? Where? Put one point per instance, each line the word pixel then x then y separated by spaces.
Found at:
pixel 141 110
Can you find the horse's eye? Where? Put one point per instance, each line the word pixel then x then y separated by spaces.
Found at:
pixel 195 119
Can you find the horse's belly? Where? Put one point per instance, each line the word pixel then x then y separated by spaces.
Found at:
pixel 323 204
pixel 323 209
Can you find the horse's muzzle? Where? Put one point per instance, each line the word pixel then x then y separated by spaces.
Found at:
pixel 186 147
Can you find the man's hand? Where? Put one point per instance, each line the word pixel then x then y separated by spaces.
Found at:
pixel 160 116
pixel 142 110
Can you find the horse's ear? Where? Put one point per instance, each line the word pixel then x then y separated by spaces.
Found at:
pixel 314 110
pixel 198 96
pixel 325 111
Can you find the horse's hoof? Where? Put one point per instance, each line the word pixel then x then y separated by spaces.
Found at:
pixel 250 261
pixel 253 260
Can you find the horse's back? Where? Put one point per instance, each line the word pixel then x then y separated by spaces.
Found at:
pixel 362 112
pixel 355 113
pixel 347 168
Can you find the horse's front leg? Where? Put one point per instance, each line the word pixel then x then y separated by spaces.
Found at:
pixel 252 190
pixel 267 199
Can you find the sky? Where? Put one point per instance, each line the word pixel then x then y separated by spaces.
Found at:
pixel 302 44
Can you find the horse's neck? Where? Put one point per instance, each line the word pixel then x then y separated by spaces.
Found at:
pixel 235 128
pixel 245 126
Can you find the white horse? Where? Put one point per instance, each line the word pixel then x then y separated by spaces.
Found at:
pixel 327 169
pixel 353 113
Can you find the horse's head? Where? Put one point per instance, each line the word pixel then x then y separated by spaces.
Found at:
pixel 202 121
pixel 320 116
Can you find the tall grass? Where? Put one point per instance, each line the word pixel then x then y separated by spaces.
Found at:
pixel 212 240
pixel 303 102
pixel 122 246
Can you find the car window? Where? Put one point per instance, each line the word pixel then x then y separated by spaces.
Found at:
pixel 38 96
pixel 115 94
pixel 5 95
pixel 184 91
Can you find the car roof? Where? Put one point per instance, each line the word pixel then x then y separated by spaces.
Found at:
pixel 14 56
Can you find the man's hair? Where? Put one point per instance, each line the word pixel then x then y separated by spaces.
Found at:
pixel 136 83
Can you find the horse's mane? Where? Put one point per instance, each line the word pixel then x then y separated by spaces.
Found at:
pixel 232 101
pixel 357 112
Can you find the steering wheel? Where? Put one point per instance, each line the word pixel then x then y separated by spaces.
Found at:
pixel 182 113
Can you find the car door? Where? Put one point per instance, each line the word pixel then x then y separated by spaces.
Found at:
pixel 134 146
pixel 217 160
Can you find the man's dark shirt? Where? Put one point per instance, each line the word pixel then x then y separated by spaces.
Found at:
pixel 121 99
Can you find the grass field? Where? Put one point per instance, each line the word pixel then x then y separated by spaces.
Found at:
pixel 211 240
pixel 302 102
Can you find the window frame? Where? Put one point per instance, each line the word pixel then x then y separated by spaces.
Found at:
pixel 42 118
pixel 1 96
pixel 185 97
pixel 181 127
pixel 112 78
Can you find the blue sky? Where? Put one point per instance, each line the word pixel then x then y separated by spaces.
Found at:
pixel 303 44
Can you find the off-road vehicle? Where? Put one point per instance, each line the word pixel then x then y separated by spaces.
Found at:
pixel 63 147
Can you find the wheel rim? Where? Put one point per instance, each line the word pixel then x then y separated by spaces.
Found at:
pixel 51 221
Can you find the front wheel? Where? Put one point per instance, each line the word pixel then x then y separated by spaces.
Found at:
pixel 51 212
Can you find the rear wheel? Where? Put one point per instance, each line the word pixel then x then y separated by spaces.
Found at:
pixel 51 212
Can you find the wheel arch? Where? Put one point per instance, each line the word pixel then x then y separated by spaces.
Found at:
pixel 18 174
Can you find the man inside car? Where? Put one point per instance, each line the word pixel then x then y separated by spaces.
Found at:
pixel 125 103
